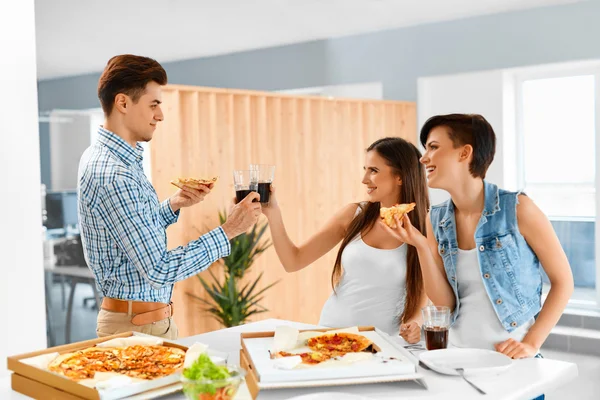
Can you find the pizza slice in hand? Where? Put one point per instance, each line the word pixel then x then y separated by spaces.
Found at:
pixel 387 213
pixel 195 183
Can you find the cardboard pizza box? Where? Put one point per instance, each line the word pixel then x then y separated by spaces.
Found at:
pixel 402 365
pixel 43 384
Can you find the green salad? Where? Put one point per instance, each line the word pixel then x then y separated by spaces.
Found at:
pixel 204 369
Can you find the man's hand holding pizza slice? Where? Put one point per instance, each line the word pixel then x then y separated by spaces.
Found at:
pixel 191 191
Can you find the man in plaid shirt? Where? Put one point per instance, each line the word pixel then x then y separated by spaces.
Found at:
pixel 123 225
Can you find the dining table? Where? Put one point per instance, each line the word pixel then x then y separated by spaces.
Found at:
pixel 526 379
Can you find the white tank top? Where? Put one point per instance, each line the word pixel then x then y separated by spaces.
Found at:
pixel 477 324
pixel 371 289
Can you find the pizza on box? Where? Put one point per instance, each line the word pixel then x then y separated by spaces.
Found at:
pixel 339 343
pixel 388 213
pixel 195 183
pixel 138 361
pixel 330 345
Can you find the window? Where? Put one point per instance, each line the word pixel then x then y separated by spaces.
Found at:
pixel 558 129
pixel 557 162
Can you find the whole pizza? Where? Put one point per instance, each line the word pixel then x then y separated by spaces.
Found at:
pixel 138 361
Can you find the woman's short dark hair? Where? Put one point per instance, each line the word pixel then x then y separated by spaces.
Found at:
pixel 128 74
pixel 465 129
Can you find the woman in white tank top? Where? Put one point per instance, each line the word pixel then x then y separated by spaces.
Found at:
pixel 376 278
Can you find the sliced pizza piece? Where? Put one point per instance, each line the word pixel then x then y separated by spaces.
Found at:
pixel 84 364
pixel 149 362
pixel 337 344
pixel 388 213
pixel 195 183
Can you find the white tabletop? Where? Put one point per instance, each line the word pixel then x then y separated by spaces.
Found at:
pixel 525 380
pixel 72 271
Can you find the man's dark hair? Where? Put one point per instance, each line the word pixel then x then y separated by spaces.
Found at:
pixel 128 74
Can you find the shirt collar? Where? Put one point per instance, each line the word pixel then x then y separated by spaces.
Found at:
pixel 119 147
pixel 492 198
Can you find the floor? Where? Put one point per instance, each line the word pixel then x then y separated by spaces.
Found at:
pixel 586 386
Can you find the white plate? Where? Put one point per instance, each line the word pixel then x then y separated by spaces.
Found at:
pixel 473 361
pixel 329 396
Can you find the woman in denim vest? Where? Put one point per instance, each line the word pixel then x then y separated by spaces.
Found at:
pixel 485 245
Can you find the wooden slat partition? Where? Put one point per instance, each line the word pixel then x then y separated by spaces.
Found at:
pixel 317 145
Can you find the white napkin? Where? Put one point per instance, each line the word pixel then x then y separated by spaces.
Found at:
pixel 285 338
pixel 304 336
pixel 287 362
pixel 40 361
pixel 194 351
pixel 109 380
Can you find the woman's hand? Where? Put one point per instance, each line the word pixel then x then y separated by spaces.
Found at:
pixel 406 232
pixel 411 332
pixel 271 207
pixel 516 349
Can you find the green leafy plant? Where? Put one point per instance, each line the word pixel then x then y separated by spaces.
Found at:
pixel 230 304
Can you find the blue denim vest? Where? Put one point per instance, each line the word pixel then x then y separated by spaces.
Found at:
pixel 509 268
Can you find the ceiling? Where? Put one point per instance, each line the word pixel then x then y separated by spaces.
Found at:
pixel 76 37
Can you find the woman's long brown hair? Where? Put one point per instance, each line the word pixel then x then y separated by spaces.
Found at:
pixel 403 157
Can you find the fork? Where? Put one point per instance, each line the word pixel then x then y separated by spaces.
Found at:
pixel 461 372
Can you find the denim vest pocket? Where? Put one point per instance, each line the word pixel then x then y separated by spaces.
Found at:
pixel 500 251
pixel 500 255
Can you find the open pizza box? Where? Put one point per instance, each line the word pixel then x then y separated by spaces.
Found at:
pixel 387 361
pixel 32 379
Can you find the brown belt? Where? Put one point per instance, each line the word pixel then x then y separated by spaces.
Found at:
pixel 143 312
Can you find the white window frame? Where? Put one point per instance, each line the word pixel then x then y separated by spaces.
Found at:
pixel 561 71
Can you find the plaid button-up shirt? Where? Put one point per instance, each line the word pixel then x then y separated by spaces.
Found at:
pixel 123 227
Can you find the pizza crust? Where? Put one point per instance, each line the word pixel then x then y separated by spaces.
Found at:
pixel 195 183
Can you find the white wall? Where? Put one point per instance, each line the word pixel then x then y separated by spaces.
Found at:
pixel 69 137
pixel 22 284
pixel 480 93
